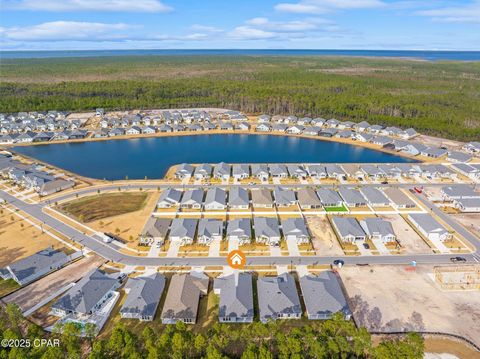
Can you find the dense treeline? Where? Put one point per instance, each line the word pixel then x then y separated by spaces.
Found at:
pixel 436 98
pixel 334 338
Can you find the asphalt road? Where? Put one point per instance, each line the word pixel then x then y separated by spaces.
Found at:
pixel 111 253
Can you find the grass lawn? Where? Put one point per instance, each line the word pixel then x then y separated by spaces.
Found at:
pixel 7 286
pixel 336 209
pixel 100 206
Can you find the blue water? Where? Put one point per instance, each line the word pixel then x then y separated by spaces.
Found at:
pixel 151 157
pixel 411 54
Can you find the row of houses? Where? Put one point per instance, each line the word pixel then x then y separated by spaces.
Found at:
pixel 463 197
pixel 278 297
pixel 237 198
pixel 31 177
pixel 266 230
pixel 374 172
pixel 350 230
pixel 43 136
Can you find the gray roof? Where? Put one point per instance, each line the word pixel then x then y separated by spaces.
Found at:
pixel 170 196
pixel 348 226
pixel 284 196
pixel 328 196
pixel 459 156
pixel 469 202
pixel 294 227
pixel 183 227
pixel 374 195
pixel 210 227
pixel 351 195
pixel 460 191
pixel 37 263
pixel 434 151
pixel 216 195
pixel 278 169
pixel 398 197
pixel 334 169
pixel 239 227
pixel 236 295
pixel 144 295
pixel 204 169
pixel 183 296
pixel 185 168
pixel 266 227
pixel 86 293
pixel 240 169
pixel 427 223
pixel 323 294
pixel 377 226
pixel 259 169
pixel 465 168
pixel 238 196
pixel 192 196
pixel 277 295
pixel 221 169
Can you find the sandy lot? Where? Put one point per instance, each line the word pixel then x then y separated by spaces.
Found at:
pixel 18 242
pixel 408 238
pixel 381 304
pixel 437 141
pixel 470 221
pixel 129 224
pixel 34 293
pixel 324 241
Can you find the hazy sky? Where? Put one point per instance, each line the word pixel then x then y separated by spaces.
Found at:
pixel 249 24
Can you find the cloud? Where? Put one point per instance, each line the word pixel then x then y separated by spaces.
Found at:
pixel 88 5
pixel 250 33
pixel 66 30
pixel 469 13
pixel 325 6
pixel 205 28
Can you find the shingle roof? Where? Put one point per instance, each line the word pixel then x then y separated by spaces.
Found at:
pixel 236 295
pixel 144 295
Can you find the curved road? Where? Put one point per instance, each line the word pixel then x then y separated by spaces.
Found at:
pixel 110 252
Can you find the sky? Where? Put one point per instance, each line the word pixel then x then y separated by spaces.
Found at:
pixel 245 24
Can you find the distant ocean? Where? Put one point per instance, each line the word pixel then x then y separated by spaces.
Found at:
pixel 421 55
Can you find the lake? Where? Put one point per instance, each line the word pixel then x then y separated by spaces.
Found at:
pixel 151 157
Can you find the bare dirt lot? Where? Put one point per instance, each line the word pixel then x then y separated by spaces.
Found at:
pixel 470 221
pixel 408 238
pixel 323 238
pixel 19 239
pixel 45 287
pixel 438 142
pixel 381 304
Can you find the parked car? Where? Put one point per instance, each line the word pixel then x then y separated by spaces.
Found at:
pixel 366 246
pixel 338 262
pixel 384 182
pixel 458 259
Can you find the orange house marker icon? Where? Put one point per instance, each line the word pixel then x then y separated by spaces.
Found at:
pixel 236 259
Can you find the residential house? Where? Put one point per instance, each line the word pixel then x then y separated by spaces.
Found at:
pixel 398 198
pixel 203 171
pixel 472 147
pixel 240 230
pixel 467 170
pixel 316 171
pixel 216 199
pixel 262 198
pixel 433 152
pixel 238 198
pixel 375 197
pixel 154 231
pixel 429 227
pixel 169 198
pixel 467 205
pixel 266 230
pixel 348 229
pixel 295 229
pixel 329 197
pixel 352 197
pixel 297 171
pixel 192 199
pixel 378 229
pixel 31 268
pixel 236 298
pixel 458 157
pixel 308 199
pixel 240 171
pixel 323 296
pixel 278 170
pixel 209 229
pixel 143 297
pixel 222 171
pixel 260 171
pixel 184 170
pixel 183 297
pixel 408 134
pixel 284 197
pixel 457 191
pixel 183 230
pixel 335 171
pixel 263 127
pixel 278 298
